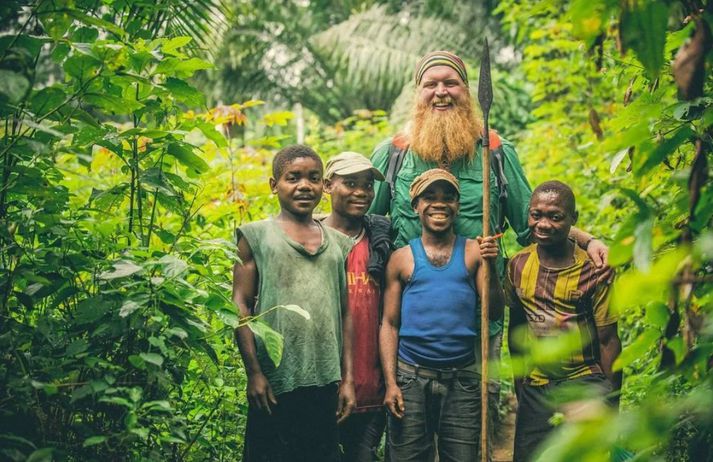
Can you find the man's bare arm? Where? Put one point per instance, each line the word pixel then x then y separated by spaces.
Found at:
pixel 245 281
pixel 347 396
pixel 389 332
pixel 609 350
pixel 597 251
pixel 486 255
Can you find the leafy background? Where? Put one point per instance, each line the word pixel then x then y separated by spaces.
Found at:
pixel 136 136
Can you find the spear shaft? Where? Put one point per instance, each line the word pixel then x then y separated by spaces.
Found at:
pixel 485 98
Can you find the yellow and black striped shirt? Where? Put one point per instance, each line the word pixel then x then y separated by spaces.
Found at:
pixel 559 302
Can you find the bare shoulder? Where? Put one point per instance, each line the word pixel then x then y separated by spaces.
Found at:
pixel 401 256
pixel 245 252
pixel 401 263
pixel 472 254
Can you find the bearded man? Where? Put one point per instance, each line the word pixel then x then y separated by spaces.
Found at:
pixel 445 132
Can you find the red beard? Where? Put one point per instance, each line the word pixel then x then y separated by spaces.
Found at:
pixel 445 136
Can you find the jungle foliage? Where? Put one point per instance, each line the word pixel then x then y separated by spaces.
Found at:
pixel 121 189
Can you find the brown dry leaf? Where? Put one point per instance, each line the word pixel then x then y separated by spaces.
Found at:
pixel 698 178
pixel 594 123
pixel 689 65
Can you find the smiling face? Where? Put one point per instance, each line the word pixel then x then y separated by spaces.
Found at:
pixel 550 218
pixel 437 207
pixel 351 194
pixel 442 89
pixel 299 187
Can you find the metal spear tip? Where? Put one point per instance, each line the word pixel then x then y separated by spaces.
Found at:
pixel 485 85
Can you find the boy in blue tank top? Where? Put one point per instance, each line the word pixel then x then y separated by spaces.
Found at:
pixel 430 329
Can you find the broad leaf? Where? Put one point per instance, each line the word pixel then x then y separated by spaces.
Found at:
pixel 122 269
pixel 94 440
pixel 663 150
pixel 184 154
pixel 643 29
pixel 81 66
pixel 636 350
pixel 14 85
pixel 183 92
pixel 272 340
pixel 153 358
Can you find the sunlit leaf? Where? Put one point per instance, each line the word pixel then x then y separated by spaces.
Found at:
pixel 41 455
pixel 121 269
pixel 185 155
pixel 153 358
pixel 271 339
pixel 637 349
pixel 128 307
pixel 657 314
pixel 663 150
pixel 183 92
pixel 93 441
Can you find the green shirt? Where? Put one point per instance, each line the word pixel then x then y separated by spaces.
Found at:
pixel 289 275
pixel 469 222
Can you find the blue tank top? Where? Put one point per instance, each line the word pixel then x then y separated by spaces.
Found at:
pixel 440 311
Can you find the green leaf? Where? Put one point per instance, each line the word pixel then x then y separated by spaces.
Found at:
pixel 678 346
pixel 113 104
pixel 296 309
pixel 81 66
pixel 271 339
pixel 663 150
pixel 171 46
pixel 128 307
pixel 153 358
pixel 210 132
pixel 183 92
pixel 93 441
pixel 137 361
pixel 41 455
pixel 55 22
pixel 122 269
pixel 637 288
pixel 277 118
pixel 657 314
pixel 178 332
pixel 14 85
pixel 643 249
pixel 181 67
pixel 588 19
pixel 184 154
pixel 637 349
pixel 46 100
pixel 97 22
pixel 643 27
pixel 173 266
pixel 76 347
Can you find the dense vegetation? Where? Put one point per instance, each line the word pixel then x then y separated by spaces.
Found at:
pixel 133 143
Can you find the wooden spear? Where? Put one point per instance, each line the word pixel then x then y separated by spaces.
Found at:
pixel 485 98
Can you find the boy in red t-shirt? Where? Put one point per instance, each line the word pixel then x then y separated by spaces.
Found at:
pixel 349 180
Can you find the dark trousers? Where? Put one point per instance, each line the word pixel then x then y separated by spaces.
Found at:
pixel 439 413
pixel 360 435
pixel 301 428
pixel 537 404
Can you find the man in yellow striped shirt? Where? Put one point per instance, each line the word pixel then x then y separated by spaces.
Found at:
pixel 552 289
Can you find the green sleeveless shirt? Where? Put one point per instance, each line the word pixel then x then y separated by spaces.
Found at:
pixel 289 275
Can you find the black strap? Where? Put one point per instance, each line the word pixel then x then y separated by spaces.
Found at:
pixel 498 166
pixel 396 160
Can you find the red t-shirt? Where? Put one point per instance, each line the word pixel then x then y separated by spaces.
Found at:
pixel 364 296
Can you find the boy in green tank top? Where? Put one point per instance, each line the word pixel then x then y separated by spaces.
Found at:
pixel 291 259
